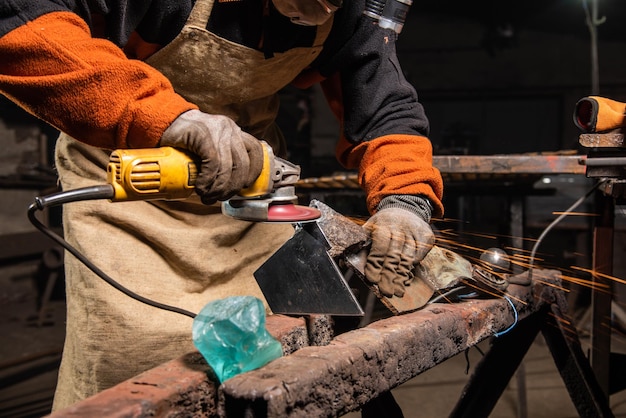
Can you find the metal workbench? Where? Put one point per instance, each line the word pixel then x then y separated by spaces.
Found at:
pixel 326 374
pixel 356 369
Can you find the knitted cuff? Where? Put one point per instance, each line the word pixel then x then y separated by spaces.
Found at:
pixel 418 205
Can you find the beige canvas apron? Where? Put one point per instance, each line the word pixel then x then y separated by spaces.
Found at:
pixel 180 253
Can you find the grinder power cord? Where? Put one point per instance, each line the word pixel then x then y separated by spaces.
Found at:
pixel 170 173
pixel 90 193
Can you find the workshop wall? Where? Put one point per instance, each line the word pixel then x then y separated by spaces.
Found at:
pixel 25 165
pixel 490 86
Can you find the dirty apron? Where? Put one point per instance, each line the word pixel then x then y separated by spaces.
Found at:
pixel 180 253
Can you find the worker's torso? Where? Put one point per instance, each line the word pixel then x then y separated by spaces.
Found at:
pixel 224 77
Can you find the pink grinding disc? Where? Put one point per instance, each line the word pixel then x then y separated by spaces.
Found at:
pixel 291 213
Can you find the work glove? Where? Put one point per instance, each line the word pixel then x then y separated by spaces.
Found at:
pixel 401 237
pixel 599 114
pixel 230 159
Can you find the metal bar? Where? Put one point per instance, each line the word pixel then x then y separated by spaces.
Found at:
pixel 362 364
pixel 605 161
pixel 601 299
pixel 603 140
pixel 510 164
pixel 354 369
pixel 473 165
pixel 182 387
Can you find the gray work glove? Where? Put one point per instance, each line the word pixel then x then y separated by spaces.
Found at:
pixel 401 237
pixel 230 159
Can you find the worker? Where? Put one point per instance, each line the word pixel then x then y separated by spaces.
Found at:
pixel 204 76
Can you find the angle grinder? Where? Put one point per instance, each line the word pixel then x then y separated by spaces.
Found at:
pixel 170 173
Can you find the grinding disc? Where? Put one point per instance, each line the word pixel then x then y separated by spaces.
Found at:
pixel 292 213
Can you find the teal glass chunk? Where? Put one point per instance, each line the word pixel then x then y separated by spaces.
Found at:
pixel 230 334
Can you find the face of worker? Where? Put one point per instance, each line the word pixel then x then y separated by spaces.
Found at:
pixel 306 12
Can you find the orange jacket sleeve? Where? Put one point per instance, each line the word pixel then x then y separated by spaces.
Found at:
pixel 388 165
pixel 394 164
pixel 86 87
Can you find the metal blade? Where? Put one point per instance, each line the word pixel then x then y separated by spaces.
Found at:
pixel 301 278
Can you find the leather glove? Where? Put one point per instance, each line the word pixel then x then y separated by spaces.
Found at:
pixel 230 159
pixel 599 114
pixel 401 237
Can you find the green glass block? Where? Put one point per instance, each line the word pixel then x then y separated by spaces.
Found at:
pixel 230 333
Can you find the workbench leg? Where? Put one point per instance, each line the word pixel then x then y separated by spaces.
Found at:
pixel 601 299
pixel 495 369
pixel 516 214
pixel 582 385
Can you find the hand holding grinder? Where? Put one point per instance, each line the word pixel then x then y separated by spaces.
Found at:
pixel 217 167
pixel 170 173
pixel 212 156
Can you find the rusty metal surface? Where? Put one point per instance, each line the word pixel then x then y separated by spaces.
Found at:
pixel 474 167
pixel 304 277
pixel 604 140
pixel 183 387
pixel 177 388
pixel 359 365
pixel 341 233
pixel 510 164
pixel 354 368
pixel 320 329
pixel 607 159
pixel 440 269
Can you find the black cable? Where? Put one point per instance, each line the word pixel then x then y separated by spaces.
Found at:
pixel 446 296
pixel 89 193
pixel 105 191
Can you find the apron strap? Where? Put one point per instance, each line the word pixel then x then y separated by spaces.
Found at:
pixel 323 31
pixel 200 13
